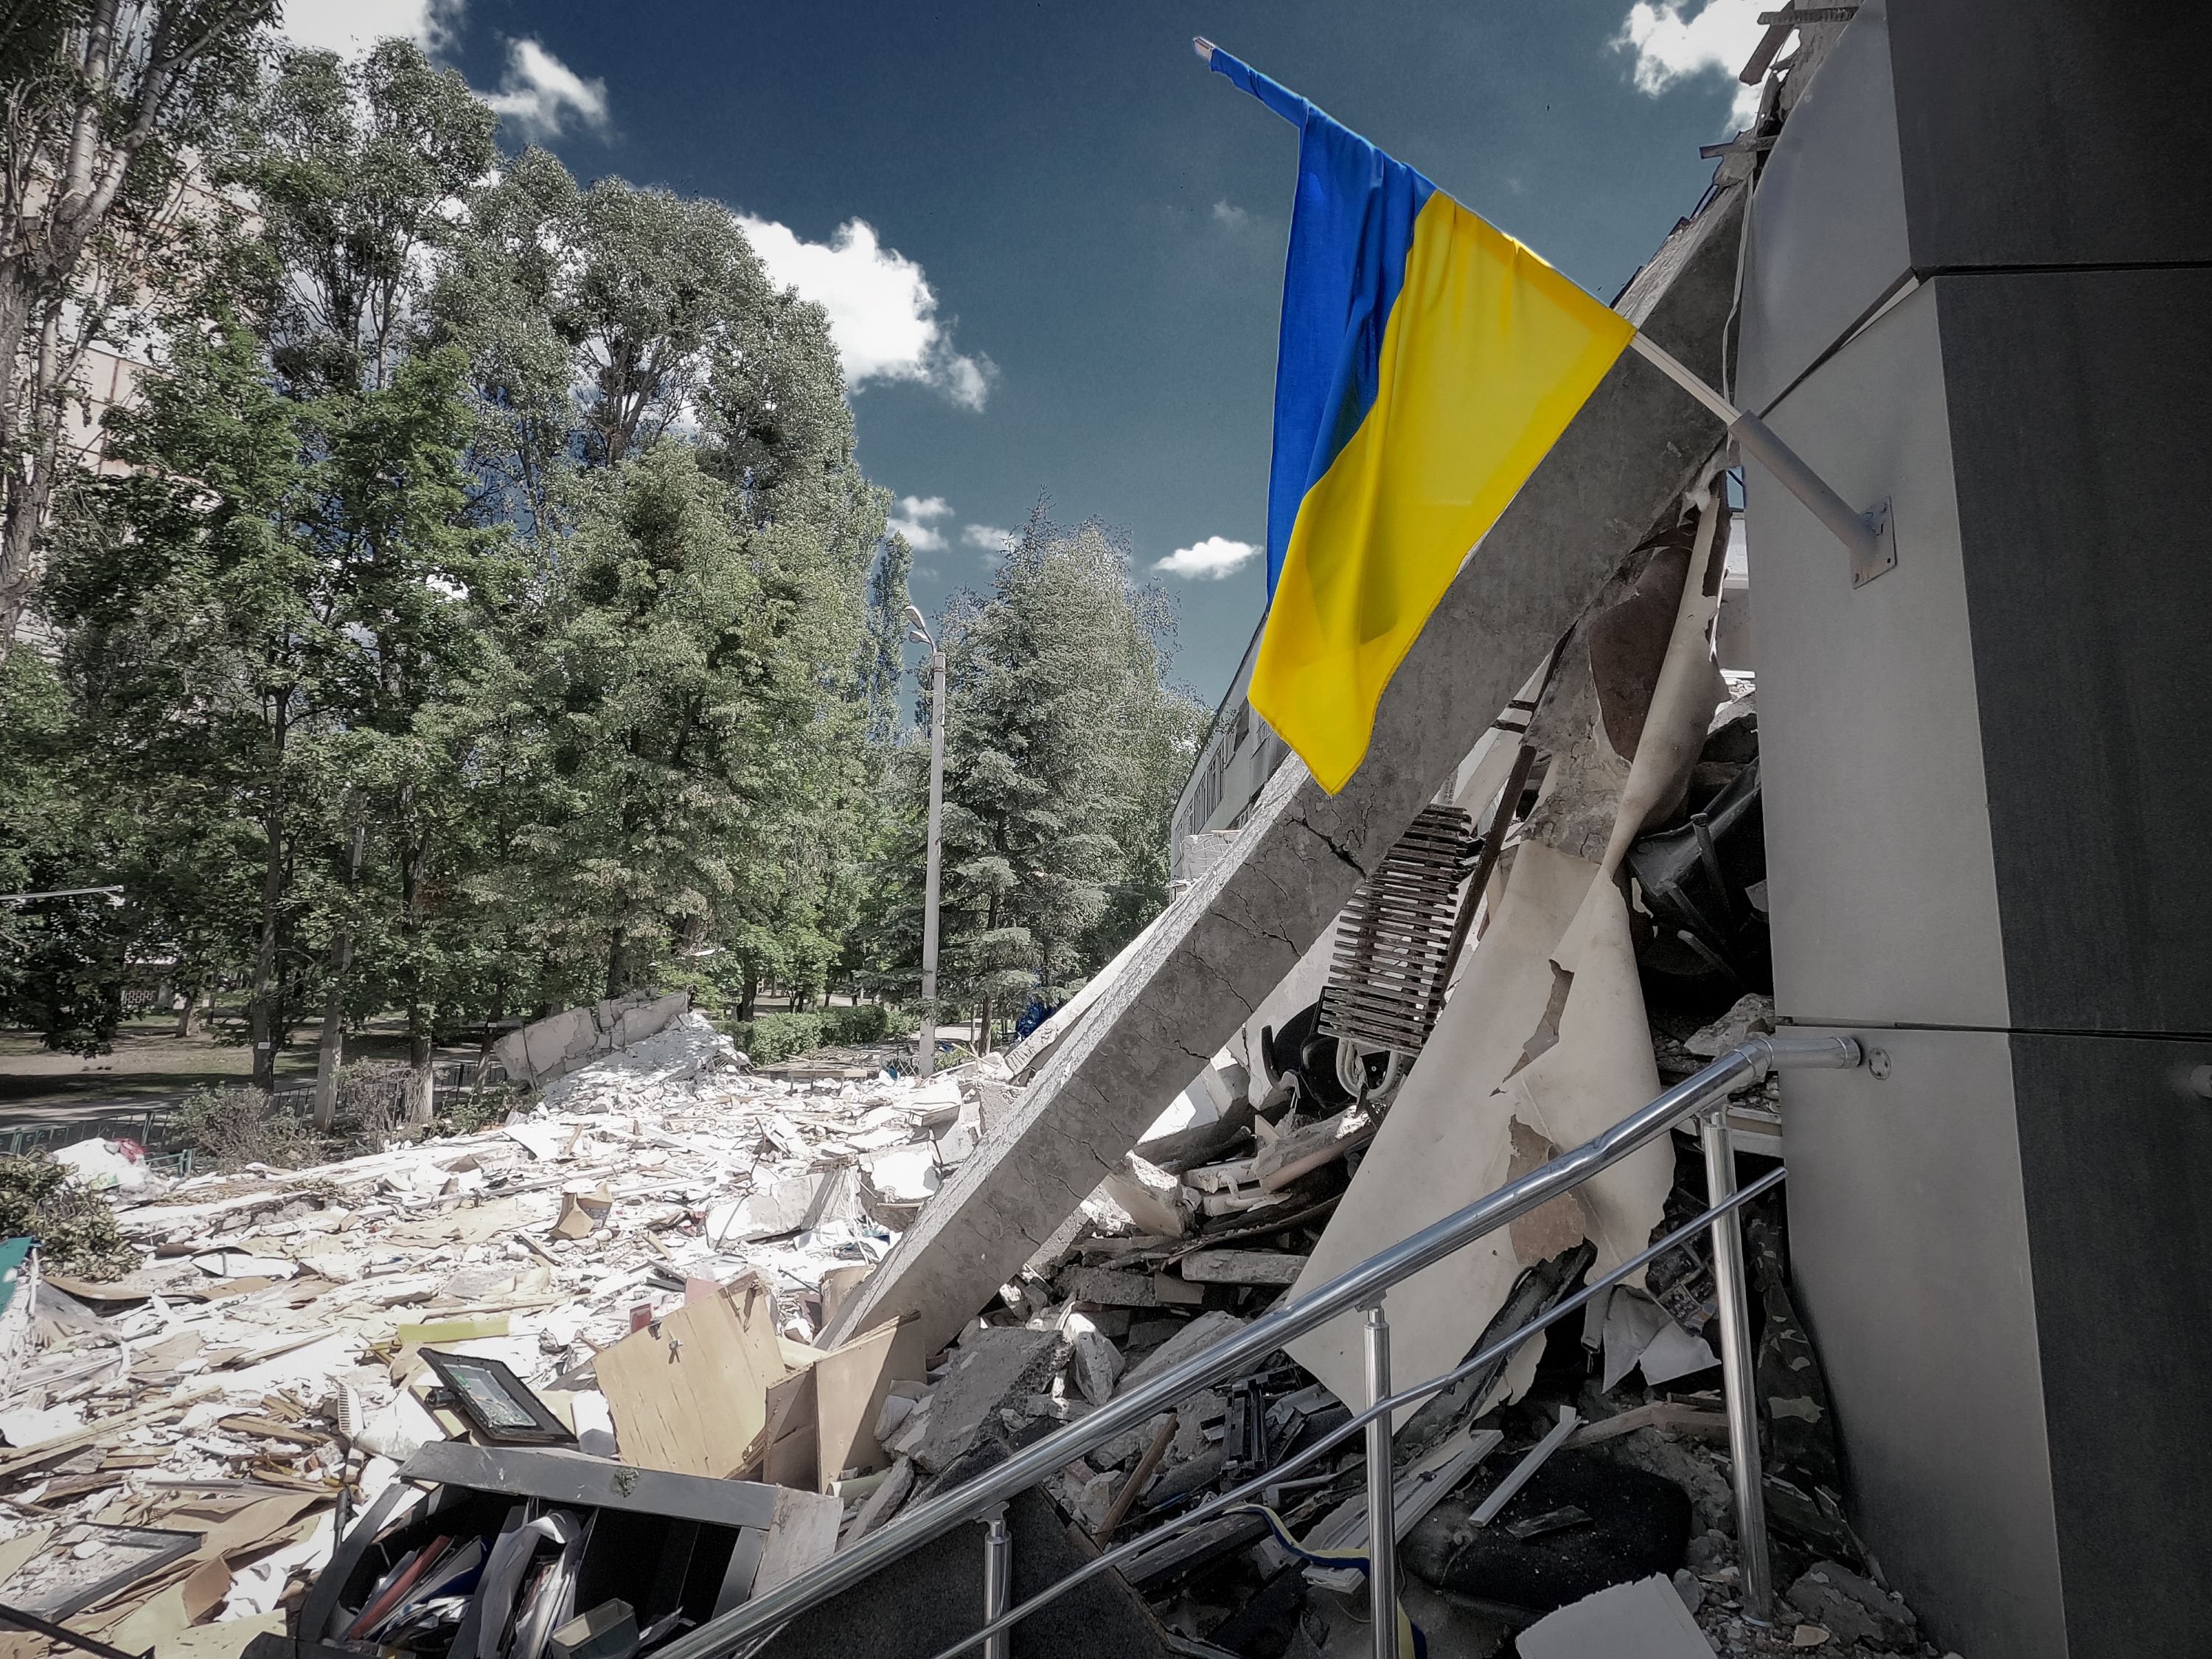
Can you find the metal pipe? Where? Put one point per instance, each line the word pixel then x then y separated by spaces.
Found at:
pixel 1756 439
pixel 998 1583
pixel 1382 1495
pixel 1759 440
pixel 927 1061
pixel 1738 1389
pixel 1356 1288
pixel 1487 1355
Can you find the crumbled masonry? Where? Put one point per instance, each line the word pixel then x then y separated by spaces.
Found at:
pixel 265 1355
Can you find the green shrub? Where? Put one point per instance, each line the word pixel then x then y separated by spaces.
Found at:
pixel 76 1229
pixel 231 1125
pixel 768 1038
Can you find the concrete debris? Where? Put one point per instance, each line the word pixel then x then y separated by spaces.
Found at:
pixel 1855 1609
pixel 1751 1013
pixel 1646 1618
pixel 637 1263
pixel 992 1368
pixel 560 1043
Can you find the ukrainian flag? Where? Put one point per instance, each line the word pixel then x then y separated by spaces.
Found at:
pixel 1427 363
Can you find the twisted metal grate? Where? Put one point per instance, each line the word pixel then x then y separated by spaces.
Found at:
pixel 1386 979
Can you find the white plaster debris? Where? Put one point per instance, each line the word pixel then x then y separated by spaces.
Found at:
pixel 265 1346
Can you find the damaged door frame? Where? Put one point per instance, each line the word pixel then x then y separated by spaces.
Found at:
pixel 1360 1288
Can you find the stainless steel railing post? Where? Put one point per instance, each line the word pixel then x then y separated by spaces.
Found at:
pixel 1738 1386
pixel 998 1581
pixel 1382 1494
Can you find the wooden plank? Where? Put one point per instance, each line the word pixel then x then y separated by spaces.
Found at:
pixel 688 1393
pixel 850 1386
pixel 1669 1416
pixel 46 1451
pixel 560 1476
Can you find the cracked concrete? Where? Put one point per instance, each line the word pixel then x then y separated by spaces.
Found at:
pixel 1243 924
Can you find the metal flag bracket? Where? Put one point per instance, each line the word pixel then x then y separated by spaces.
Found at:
pixel 1871 536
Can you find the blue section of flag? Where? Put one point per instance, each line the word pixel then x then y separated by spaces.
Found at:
pixel 1350 228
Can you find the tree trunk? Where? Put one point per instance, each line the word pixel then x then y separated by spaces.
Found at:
pixel 330 1051
pixel 983 1041
pixel 414 868
pixel 746 997
pixel 329 1048
pixel 422 1095
pixel 26 487
pixel 263 1016
pixel 188 1017
pixel 614 964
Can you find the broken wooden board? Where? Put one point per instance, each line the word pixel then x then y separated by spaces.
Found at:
pixel 850 1385
pixel 690 1392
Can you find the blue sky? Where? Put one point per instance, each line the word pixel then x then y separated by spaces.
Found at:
pixel 1051 244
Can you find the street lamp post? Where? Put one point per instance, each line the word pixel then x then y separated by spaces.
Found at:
pixel 920 632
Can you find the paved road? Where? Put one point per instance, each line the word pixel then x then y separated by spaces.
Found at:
pixel 77 1108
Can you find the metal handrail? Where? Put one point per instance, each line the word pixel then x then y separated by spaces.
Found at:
pixel 1359 1287
pixel 1488 1354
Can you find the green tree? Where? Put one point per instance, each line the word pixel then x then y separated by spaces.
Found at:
pixel 660 310
pixel 106 103
pixel 61 959
pixel 354 168
pixel 189 608
pixel 1061 737
pixel 663 694
pixel 883 661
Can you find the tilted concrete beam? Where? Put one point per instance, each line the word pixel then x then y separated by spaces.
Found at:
pixel 1231 937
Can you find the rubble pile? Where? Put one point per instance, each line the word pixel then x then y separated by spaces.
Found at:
pixel 195 1430
pixel 631 1275
pixel 452 1393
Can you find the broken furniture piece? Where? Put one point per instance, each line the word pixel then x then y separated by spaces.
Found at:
pixel 677 1549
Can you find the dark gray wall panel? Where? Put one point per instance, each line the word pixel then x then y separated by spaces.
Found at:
pixel 1827 236
pixel 2053 131
pixel 2116 1159
pixel 1909 1242
pixel 2082 440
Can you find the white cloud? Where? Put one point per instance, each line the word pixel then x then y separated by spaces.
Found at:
pixel 539 94
pixel 988 536
pixel 1211 560
pixel 883 312
pixel 351 27
pixel 1230 217
pixel 912 520
pixel 1671 47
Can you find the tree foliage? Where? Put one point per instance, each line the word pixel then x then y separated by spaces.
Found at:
pixel 1065 746
pixel 490 613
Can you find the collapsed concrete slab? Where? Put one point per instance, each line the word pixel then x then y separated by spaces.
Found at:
pixel 1241 927
pixel 560 1043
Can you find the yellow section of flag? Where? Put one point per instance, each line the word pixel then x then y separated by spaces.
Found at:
pixel 1487 355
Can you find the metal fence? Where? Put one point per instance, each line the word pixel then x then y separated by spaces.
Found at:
pixel 155 1127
